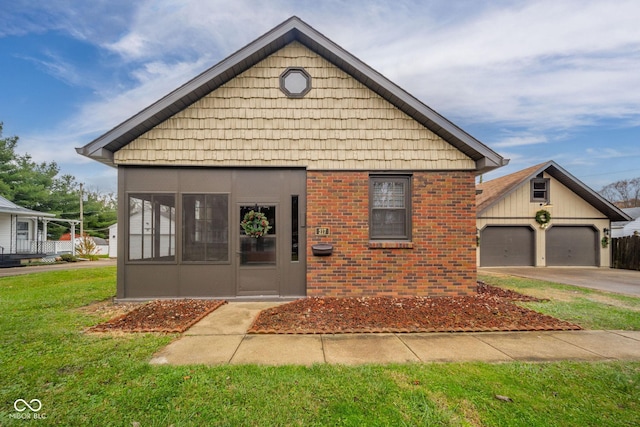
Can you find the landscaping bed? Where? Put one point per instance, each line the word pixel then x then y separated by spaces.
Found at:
pixel 160 316
pixel 492 309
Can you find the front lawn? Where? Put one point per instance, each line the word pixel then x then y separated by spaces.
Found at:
pixel 589 308
pixel 104 380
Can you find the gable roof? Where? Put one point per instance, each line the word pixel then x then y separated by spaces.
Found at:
pixel 9 207
pixel 293 29
pixel 495 190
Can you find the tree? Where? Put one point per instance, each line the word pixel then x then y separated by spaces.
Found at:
pixel 24 181
pixel 38 186
pixel 100 211
pixel 624 193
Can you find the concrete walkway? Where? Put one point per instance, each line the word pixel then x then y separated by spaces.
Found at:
pixel 221 338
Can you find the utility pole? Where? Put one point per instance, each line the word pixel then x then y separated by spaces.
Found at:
pixel 81 213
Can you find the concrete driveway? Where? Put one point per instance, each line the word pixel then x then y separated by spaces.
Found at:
pixel 604 279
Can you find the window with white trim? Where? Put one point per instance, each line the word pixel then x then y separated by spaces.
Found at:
pixel 540 190
pixel 389 207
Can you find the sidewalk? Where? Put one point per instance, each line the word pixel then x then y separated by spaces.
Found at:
pixel 221 338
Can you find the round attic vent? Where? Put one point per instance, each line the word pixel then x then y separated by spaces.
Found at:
pixel 295 82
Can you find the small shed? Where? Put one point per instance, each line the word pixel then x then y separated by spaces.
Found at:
pixel 543 216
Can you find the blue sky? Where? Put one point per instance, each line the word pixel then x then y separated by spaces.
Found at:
pixel 533 80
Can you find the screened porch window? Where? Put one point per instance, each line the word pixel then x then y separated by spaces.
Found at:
pixel 205 227
pixel 152 227
pixel 390 208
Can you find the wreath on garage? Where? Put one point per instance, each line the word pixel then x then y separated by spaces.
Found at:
pixel 543 217
pixel 255 224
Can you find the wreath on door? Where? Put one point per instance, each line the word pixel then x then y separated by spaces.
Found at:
pixel 543 217
pixel 255 224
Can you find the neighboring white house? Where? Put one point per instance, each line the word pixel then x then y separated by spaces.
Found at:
pixel 20 231
pixel 627 228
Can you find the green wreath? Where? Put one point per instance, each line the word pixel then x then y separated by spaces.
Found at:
pixel 543 217
pixel 255 224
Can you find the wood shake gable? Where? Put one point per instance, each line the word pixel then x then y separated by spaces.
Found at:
pixel 249 121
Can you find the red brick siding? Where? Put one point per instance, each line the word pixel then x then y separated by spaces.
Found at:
pixel 440 261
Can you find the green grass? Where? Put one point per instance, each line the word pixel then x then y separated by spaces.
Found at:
pixel 589 308
pixel 107 380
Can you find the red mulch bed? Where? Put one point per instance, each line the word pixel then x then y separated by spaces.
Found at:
pixel 161 316
pixel 491 310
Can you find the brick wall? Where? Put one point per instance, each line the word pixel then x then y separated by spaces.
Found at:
pixel 439 261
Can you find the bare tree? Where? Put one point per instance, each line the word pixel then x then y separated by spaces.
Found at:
pixel 624 193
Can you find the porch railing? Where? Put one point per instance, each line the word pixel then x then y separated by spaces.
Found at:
pixel 48 247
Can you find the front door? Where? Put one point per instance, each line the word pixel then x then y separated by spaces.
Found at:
pixel 269 246
pixel 258 241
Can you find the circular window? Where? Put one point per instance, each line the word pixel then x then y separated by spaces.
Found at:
pixel 295 82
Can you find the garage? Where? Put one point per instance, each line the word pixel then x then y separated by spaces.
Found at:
pixel 507 246
pixel 572 246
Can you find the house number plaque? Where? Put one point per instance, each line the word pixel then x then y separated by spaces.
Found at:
pixel 322 231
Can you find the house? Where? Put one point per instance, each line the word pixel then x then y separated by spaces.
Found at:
pixel 293 169
pixel 543 216
pixel 21 235
pixel 627 228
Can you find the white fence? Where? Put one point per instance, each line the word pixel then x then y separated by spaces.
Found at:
pixel 48 247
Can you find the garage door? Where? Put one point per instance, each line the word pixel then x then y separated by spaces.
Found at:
pixel 572 246
pixel 507 246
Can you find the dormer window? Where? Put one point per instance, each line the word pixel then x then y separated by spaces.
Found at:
pixel 540 190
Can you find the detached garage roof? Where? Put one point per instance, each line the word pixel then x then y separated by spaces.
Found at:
pixel 293 29
pixel 495 190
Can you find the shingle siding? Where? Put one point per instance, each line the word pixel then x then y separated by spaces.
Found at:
pixel 339 124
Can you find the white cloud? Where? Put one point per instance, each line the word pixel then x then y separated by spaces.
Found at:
pixel 544 64
pixel 518 141
pixel 542 67
pixel 194 28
